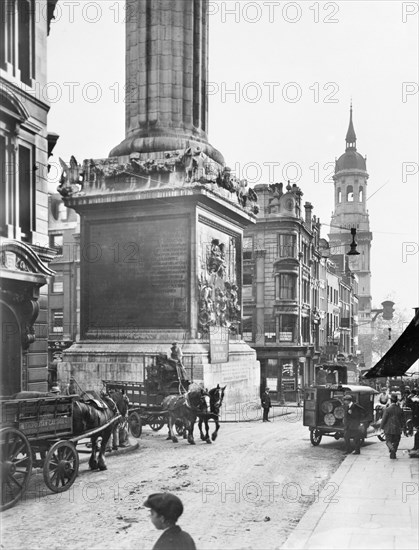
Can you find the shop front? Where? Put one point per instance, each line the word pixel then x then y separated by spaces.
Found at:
pixel 284 372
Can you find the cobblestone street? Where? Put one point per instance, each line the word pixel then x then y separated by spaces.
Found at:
pixel 248 490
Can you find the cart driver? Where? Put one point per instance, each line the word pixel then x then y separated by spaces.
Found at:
pixel 177 356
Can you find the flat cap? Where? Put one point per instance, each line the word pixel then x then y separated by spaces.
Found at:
pixel 165 504
pixel 348 396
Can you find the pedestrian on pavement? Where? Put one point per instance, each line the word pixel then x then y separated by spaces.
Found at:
pixel 382 402
pixel 392 425
pixel 165 509
pixel 266 404
pixel 352 424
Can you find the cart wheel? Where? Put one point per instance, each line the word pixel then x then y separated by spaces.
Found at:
pixel 315 437
pixel 381 437
pixel 135 424
pixel 16 466
pixel 157 423
pixel 61 466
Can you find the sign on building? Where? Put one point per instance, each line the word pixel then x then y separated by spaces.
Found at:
pixel 219 345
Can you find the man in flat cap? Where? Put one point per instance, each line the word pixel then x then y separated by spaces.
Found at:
pixel 165 509
pixel 392 425
pixel 352 424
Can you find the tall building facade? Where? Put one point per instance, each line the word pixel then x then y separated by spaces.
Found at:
pixel 350 211
pixel 25 146
pixel 281 290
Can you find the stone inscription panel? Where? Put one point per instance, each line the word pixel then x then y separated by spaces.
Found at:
pixel 138 274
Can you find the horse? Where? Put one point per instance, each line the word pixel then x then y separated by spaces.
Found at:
pixel 96 411
pixel 216 396
pixel 89 412
pixel 185 408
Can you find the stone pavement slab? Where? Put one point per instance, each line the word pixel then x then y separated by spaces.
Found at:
pixel 374 505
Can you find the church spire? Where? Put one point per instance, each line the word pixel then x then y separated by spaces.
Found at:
pixel 350 134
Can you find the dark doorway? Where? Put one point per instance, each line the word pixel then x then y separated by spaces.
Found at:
pixel 10 377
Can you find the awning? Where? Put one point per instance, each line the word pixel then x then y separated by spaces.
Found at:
pixel 401 356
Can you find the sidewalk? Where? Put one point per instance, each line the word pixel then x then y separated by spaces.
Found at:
pixel 370 502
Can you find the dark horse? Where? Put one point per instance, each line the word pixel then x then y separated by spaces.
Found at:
pixel 91 411
pixel 185 408
pixel 216 396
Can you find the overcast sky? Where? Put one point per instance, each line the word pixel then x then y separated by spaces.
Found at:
pixel 291 69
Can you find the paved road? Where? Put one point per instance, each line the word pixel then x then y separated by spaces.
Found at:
pixel 247 490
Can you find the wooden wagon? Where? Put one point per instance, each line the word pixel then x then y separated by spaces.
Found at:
pixel 145 405
pixel 162 377
pixel 38 431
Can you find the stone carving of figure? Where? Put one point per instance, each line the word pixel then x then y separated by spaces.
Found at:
pixel 242 192
pixel 221 308
pixel 226 180
pixel 206 316
pixel 71 179
pixel 194 163
pixel 216 261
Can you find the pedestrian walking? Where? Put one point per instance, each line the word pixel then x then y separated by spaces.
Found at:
pixel 392 425
pixel 165 509
pixel 352 424
pixel 266 404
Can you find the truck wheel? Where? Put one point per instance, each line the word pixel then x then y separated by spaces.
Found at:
pixel 315 437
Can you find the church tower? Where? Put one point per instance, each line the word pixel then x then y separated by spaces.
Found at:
pixel 350 187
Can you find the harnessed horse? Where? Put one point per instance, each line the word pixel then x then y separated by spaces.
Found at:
pixel 89 412
pixel 185 409
pixel 216 396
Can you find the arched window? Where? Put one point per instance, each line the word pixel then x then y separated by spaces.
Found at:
pixel 361 194
pixel 349 194
pixel 339 192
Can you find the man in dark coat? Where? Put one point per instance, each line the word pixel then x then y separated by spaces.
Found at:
pixel 351 424
pixel 266 404
pixel 392 425
pixel 165 510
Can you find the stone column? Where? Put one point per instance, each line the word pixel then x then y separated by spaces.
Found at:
pixel 166 77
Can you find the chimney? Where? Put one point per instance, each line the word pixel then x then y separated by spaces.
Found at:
pixel 309 209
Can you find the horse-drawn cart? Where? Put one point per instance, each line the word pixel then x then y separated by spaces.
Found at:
pixel 40 426
pixel 145 404
pixel 162 377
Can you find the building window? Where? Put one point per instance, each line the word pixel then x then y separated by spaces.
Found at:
pixel 247 248
pixel 247 278
pixel 57 284
pixel 361 194
pixel 305 329
pixel 349 194
pixel 17 37
pixel 286 246
pixel 306 291
pixel 339 195
pixel 286 290
pixel 287 325
pixel 57 321
pixel 27 192
pixel 56 242
pixel 247 329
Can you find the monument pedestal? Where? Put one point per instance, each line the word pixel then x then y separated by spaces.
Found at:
pixel 161 261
